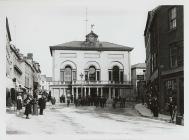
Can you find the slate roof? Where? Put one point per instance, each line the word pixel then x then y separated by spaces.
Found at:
pixel 83 45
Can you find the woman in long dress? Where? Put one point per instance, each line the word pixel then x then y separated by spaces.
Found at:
pixel 28 106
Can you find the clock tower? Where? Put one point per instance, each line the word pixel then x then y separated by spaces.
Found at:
pixel 91 37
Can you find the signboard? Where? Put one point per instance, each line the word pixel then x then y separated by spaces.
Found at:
pixel 140 77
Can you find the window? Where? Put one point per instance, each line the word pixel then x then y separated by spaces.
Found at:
pixel 98 75
pixel 171 86
pixel 116 73
pixel 92 73
pixel 173 57
pixel 68 74
pixel 172 18
pixel 180 56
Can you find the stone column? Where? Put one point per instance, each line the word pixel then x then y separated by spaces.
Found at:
pixel 97 91
pixel 76 92
pixel 84 91
pixel 64 89
pixel 101 93
pixel 73 93
pixel 72 90
pixel 59 96
pixel 89 91
pixel 120 92
pixel 109 97
pixel 113 92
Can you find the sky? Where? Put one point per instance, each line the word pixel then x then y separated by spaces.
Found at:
pixel 36 25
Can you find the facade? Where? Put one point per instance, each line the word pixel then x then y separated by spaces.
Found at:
pixel 36 76
pixel 21 72
pixel 91 68
pixel 29 70
pixel 45 83
pixel 164 42
pixel 138 78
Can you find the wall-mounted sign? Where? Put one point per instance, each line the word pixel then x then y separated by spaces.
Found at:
pixel 140 77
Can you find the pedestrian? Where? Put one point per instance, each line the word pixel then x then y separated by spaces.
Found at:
pixel 172 109
pixel 68 100
pixel 19 104
pixel 27 102
pixel 42 104
pixel 34 103
pixel 150 103
pixel 63 98
pixel 114 102
pixel 49 96
pixel 53 101
pixel 155 107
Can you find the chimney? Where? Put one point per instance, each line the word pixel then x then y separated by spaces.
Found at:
pixel 30 56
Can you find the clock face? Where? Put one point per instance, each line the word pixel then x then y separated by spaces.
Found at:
pixel 91 38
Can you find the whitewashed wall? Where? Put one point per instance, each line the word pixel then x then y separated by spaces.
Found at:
pixel 105 59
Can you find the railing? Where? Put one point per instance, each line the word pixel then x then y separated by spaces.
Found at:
pixel 78 82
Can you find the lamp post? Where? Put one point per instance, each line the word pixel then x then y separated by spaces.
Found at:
pixel 81 75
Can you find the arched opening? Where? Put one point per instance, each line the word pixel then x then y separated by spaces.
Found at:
pixel 92 73
pixel 116 73
pixel 68 74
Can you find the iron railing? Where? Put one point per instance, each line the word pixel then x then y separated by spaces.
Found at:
pixel 78 82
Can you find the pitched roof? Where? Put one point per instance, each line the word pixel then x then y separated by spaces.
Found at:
pixel 8 30
pixel 139 65
pixel 83 45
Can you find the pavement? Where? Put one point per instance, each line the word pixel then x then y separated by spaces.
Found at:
pixel 145 112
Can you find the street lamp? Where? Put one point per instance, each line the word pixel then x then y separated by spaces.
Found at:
pixel 81 75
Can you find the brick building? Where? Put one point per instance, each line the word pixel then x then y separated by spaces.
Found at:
pixel 164 42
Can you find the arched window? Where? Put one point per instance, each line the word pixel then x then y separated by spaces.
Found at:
pixel 92 73
pixel 116 73
pixel 68 74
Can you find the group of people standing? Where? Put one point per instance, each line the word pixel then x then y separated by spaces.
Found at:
pixel 98 101
pixel 91 101
pixel 153 105
pixel 31 104
pixel 119 101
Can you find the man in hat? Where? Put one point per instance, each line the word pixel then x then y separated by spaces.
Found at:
pixel 42 104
